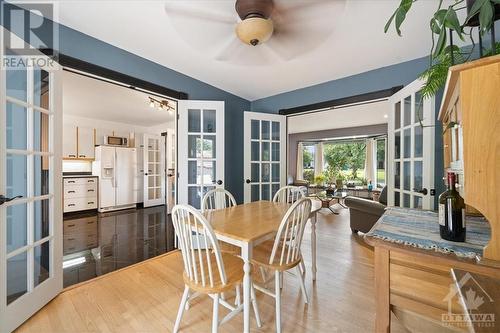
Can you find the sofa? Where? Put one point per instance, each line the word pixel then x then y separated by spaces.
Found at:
pixel 364 212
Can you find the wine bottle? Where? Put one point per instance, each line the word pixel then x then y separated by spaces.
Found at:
pixel 452 212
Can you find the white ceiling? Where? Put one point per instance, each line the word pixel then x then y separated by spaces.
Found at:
pixel 331 39
pixel 95 99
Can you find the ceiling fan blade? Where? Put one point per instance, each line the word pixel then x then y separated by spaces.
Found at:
pixel 230 50
pixel 238 53
pixel 203 25
pixel 201 10
pixel 302 26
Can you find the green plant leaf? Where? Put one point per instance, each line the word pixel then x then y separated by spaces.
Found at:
pixel 496 1
pixel 486 16
pixel 451 21
pixel 435 26
pixel 388 24
pixel 476 7
pixel 440 15
pixel 401 12
pixel 440 43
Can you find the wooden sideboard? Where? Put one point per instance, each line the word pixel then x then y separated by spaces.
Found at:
pixel 413 282
pixel 470 113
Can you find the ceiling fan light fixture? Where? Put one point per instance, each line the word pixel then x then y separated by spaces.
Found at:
pixel 254 30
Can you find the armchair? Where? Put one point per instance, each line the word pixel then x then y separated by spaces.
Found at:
pixel 365 213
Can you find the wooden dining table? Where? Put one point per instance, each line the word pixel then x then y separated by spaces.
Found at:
pixel 250 224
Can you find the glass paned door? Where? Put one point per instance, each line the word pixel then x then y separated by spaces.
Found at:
pixel 30 189
pixel 265 144
pixel 411 149
pixel 201 149
pixel 154 170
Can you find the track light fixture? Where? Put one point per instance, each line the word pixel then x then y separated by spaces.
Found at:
pixel 161 104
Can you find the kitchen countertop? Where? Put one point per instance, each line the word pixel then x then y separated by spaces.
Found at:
pixel 79 176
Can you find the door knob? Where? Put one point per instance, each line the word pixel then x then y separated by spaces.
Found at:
pixel 423 191
pixel 219 182
pixel 4 199
pixel 247 181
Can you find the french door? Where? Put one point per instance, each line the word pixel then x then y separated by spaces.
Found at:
pixel 265 155
pixel 30 189
pixel 411 149
pixel 154 170
pixel 170 154
pixel 200 149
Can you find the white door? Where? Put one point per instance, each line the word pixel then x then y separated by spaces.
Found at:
pixel 30 167
pixel 170 155
pixel 411 149
pixel 201 149
pixel 125 162
pixel 265 155
pixel 154 170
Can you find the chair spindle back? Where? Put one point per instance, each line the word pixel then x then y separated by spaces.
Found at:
pixel 199 246
pixel 289 237
pixel 288 194
pixel 218 198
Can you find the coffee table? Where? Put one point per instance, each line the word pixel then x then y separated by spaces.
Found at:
pixel 327 199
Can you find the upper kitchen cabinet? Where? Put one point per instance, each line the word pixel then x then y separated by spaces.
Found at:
pixel 86 142
pixel 70 138
pixel 78 142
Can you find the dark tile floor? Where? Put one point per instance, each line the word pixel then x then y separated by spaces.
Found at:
pixel 95 244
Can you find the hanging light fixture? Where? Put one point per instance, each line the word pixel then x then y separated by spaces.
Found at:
pixel 161 104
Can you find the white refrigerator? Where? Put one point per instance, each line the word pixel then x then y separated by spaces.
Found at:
pixel 116 169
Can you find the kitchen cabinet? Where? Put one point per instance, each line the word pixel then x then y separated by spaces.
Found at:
pixel 86 142
pixel 80 193
pixel 69 141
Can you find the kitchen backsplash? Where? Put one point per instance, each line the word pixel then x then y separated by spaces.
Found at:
pixel 77 166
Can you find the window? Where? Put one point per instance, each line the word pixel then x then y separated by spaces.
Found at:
pixel 381 156
pixel 308 162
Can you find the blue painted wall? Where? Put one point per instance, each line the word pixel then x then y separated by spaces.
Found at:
pixel 378 79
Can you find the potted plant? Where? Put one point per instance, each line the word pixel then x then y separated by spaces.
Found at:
pixel 330 178
pixel 445 21
pixel 340 180
pixel 319 180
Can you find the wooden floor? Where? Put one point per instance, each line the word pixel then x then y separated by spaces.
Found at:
pixel 145 298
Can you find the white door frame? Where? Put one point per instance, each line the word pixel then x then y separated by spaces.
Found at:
pixel 183 106
pixel 427 149
pixel 261 116
pixel 170 164
pixel 14 314
pixel 160 170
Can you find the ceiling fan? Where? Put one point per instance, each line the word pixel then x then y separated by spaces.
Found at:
pixel 253 32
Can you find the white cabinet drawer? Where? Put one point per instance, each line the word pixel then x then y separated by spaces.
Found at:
pixel 80 181
pixel 76 204
pixel 79 191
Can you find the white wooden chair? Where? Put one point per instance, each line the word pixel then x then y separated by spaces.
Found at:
pixel 283 253
pixel 218 198
pixel 288 194
pixel 206 269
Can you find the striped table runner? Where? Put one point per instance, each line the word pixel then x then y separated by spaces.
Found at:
pixel 420 228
